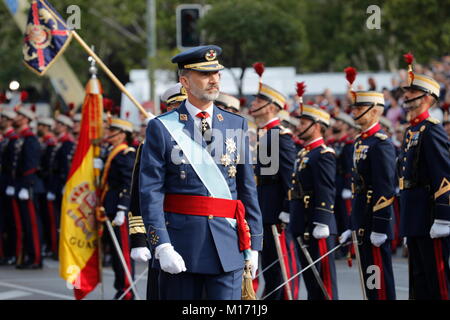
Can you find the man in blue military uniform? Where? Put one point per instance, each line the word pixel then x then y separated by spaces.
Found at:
pixel 197 193
pixel 115 196
pixel 373 190
pixel 275 160
pixel 424 173
pixel 10 222
pixel 312 198
pixel 27 156
pixel 140 252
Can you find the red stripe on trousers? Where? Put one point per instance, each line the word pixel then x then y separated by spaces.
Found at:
pixel 19 230
pixel 440 268
pixel 35 232
pixel 377 260
pixel 326 272
pixel 294 268
pixel 126 254
pixel 286 259
pixel 52 218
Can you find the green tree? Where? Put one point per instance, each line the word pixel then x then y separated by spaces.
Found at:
pixel 250 31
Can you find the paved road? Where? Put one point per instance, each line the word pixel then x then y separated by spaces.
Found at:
pixel 46 284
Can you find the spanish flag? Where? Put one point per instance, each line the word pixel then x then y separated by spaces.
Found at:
pixel 79 238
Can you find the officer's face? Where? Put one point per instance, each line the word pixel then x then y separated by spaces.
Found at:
pixel 202 85
pixel 19 121
pixel 411 94
pixel 114 136
pixel 255 108
pixel 60 128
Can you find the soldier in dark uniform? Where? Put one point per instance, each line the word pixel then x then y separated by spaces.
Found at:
pixel 312 198
pixel 424 172
pixel 27 156
pixel 275 160
pixel 60 161
pixel 373 190
pixel 47 210
pixel 10 221
pixel 115 197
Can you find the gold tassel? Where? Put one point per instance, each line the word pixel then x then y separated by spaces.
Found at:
pixel 247 285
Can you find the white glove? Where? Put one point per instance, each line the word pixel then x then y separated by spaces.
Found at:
pixel 169 259
pixel 284 217
pixel 119 219
pixel 51 196
pixel 254 262
pixel 321 231
pixel 440 229
pixel 24 194
pixel 345 236
pixel 141 254
pixel 346 194
pixel 98 163
pixel 378 239
pixel 10 191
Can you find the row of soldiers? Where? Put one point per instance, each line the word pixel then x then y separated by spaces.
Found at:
pixel 321 197
pixel 321 189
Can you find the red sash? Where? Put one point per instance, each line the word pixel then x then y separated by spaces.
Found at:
pixel 214 207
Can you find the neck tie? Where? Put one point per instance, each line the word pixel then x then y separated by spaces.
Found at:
pixel 204 125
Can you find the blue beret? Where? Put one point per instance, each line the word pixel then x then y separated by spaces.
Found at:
pixel 202 58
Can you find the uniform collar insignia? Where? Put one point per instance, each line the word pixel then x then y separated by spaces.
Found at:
pixel 183 117
pixel 420 118
pixel 371 131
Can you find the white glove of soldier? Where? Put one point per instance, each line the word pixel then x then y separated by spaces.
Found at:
pixel 378 239
pixel 169 260
pixel 346 194
pixel 345 236
pixel 24 194
pixel 254 262
pixel 10 191
pixel 320 231
pixel 119 219
pixel 440 229
pixel 98 163
pixel 51 196
pixel 140 254
pixel 284 217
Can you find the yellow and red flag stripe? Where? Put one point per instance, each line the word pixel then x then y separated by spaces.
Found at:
pixel 79 238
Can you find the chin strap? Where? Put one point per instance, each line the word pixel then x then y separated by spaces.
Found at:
pixel 303 132
pixel 362 114
pixel 269 102
pixel 406 102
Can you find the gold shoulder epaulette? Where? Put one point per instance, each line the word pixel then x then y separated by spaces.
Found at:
pixel 130 149
pixel 284 130
pixel 433 120
pixel 327 149
pixel 381 136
